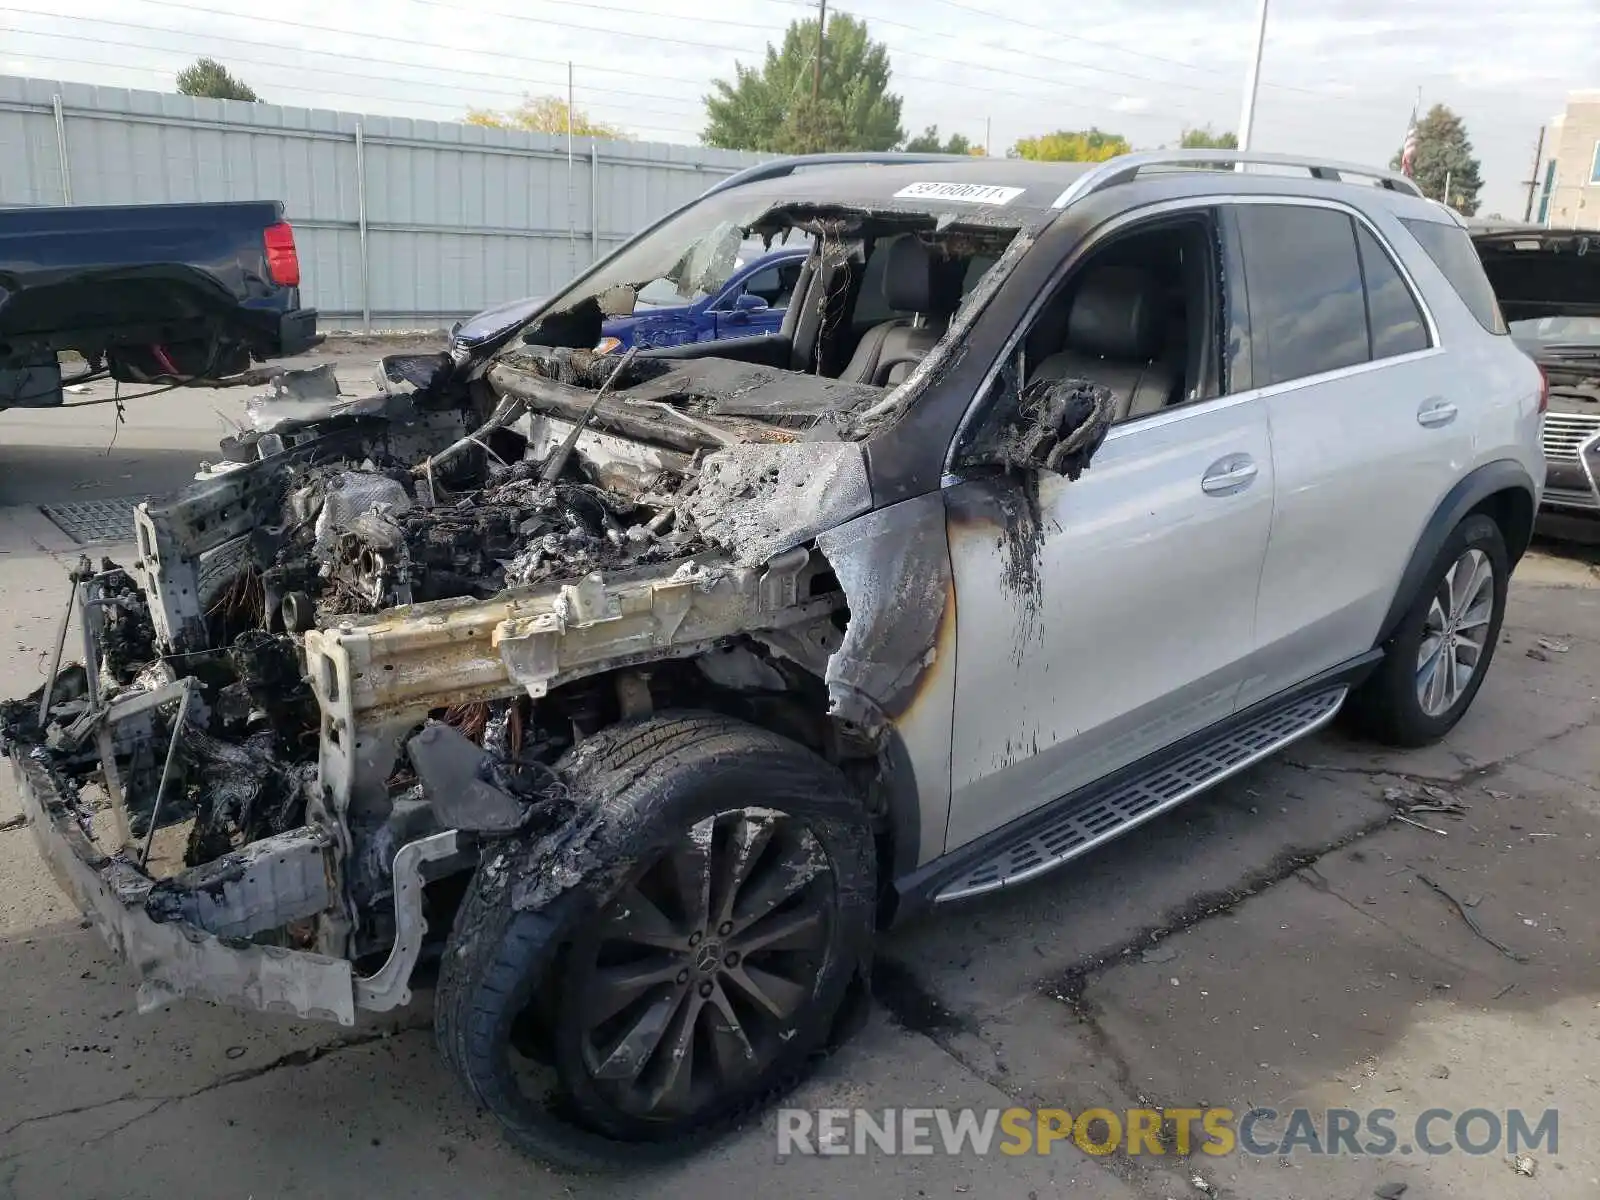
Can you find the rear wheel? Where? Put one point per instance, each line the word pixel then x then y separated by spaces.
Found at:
pixel 1439 655
pixel 693 970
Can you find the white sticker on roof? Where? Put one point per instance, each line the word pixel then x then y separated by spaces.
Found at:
pixel 965 193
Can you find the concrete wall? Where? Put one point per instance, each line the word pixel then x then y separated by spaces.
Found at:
pixel 399 223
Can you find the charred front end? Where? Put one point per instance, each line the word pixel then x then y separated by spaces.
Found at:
pixel 353 653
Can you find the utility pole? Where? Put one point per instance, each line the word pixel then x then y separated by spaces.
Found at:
pixel 572 233
pixel 1252 81
pixel 1533 176
pixel 816 63
pixel 988 127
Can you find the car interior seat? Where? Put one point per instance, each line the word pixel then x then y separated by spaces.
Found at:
pixel 912 282
pixel 1118 335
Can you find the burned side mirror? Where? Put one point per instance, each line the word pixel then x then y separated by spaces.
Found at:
pixel 1058 426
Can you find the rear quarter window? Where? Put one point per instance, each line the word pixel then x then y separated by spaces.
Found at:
pixel 1453 253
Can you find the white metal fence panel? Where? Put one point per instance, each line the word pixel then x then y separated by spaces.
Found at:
pixel 399 222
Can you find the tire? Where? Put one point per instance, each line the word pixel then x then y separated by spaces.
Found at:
pixel 668 793
pixel 1389 707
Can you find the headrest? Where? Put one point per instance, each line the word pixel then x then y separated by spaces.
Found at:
pixel 1117 313
pixel 913 282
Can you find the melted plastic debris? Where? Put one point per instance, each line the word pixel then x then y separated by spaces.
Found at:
pixel 245 792
pixel 1061 423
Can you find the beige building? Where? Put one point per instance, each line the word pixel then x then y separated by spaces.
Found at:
pixel 1568 195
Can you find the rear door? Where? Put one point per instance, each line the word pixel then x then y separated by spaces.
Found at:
pixel 1370 426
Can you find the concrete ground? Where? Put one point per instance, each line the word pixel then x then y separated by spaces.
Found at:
pixel 1283 941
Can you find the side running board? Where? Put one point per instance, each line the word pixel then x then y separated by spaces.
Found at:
pixel 1096 816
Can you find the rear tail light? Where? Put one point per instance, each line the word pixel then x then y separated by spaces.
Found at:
pixel 1544 391
pixel 283 262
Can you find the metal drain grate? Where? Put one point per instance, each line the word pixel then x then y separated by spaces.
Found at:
pixel 95 520
pixel 1095 819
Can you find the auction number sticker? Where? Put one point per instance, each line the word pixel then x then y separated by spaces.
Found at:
pixel 965 193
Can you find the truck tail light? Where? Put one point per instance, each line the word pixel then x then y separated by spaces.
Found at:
pixel 283 261
pixel 1544 391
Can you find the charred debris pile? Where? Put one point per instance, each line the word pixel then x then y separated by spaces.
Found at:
pixel 227 735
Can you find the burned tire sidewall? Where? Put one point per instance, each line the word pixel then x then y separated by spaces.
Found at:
pixel 650 782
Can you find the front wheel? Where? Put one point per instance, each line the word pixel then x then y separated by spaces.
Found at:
pixel 694 969
pixel 1439 655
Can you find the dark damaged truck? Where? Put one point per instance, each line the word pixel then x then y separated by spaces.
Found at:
pixel 145 293
pixel 637 690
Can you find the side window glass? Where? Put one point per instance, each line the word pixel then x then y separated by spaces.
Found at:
pixel 788 276
pixel 1453 253
pixel 1397 325
pixel 1307 308
pixel 766 284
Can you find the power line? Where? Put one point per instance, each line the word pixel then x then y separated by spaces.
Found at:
pixel 1072 37
pixel 451 6
pixel 612 31
pixel 343 70
pixel 177 4
pixel 677 130
pixel 437 46
pixel 1056 84
pixel 1008 72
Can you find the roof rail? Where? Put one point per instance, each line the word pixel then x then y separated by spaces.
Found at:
pixel 1128 166
pixel 780 167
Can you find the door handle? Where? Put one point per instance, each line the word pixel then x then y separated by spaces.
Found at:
pixel 1228 475
pixel 1434 413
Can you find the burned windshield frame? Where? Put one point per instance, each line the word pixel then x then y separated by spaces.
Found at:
pixel 661 252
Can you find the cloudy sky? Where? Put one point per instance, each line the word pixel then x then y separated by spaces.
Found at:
pixel 1339 76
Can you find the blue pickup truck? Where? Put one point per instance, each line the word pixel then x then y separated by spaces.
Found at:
pixel 750 301
pixel 146 293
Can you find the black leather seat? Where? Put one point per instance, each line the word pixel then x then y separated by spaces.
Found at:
pixel 1116 336
pixel 912 282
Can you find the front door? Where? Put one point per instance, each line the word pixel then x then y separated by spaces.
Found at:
pixel 1112 618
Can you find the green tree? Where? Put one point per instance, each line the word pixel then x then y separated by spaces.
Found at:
pixel 771 108
pixel 208 77
pixel 1204 139
pixel 1068 145
pixel 544 114
pixel 927 142
pixel 1445 154
pixel 813 127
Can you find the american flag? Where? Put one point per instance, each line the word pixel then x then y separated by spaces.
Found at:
pixel 1408 148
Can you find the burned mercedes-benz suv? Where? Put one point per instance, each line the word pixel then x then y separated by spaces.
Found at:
pixel 634 691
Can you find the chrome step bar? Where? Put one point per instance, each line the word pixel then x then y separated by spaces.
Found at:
pixel 1101 816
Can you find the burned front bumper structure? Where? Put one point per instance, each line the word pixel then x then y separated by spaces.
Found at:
pixel 196 933
pixel 176 933
pixel 177 957
pixel 268 925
